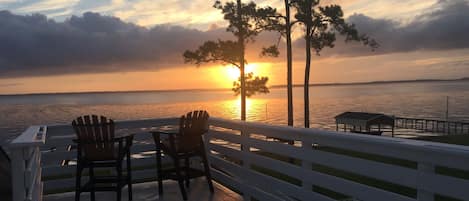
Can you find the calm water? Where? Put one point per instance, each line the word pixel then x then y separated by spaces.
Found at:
pixel 424 99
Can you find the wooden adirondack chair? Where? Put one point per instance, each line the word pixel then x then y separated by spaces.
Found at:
pixel 98 147
pixel 185 144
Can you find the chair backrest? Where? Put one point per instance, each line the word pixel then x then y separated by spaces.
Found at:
pixel 191 127
pixel 95 134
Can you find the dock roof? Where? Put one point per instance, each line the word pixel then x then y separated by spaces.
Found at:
pixel 364 119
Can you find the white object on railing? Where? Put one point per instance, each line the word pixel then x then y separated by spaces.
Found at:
pixel 224 140
pixel 26 164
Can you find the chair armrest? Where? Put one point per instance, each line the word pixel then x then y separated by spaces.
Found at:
pixel 157 138
pixel 77 141
pixel 128 142
pixel 157 134
pixel 163 132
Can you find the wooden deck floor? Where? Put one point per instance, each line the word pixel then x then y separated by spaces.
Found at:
pixel 149 192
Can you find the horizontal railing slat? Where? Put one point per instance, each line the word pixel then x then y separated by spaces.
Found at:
pixel 444 185
pixel 413 150
pixel 266 183
pixel 381 171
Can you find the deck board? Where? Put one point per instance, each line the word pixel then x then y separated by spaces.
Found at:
pixel 149 192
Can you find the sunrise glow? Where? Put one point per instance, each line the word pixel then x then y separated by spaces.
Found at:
pixel 259 69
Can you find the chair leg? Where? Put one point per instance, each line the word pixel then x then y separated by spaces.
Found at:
pixel 119 180
pixel 129 176
pixel 92 182
pixel 179 177
pixel 78 183
pixel 159 172
pixel 207 170
pixel 187 170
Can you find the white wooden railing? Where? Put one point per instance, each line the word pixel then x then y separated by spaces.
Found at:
pixel 26 164
pixel 321 164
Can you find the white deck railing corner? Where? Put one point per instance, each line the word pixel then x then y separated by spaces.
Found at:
pixel 26 164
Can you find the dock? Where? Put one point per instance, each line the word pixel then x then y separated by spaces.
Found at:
pixel 378 123
pixel 432 125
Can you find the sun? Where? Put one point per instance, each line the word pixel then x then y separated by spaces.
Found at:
pixel 233 72
pixel 224 76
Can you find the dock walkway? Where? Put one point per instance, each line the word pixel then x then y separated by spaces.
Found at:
pixel 432 125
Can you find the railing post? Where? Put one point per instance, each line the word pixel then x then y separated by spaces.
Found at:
pixel 26 164
pixel 423 195
pixel 18 168
pixel 306 146
pixel 245 149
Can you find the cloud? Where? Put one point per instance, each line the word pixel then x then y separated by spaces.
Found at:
pixel 445 26
pixel 35 45
pixel 47 5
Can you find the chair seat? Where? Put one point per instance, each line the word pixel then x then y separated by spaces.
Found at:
pixel 179 146
pixel 105 155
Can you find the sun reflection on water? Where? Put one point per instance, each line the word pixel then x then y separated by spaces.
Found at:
pixel 256 109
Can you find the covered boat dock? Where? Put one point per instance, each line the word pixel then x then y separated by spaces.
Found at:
pixel 365 123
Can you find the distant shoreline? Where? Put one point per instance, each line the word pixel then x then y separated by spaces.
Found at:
pixel 375 82
pixel 273 86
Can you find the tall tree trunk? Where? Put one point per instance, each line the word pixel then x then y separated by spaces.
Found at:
pixel 306 84
pixel 241 62
pixel 308 66
pixel 289 63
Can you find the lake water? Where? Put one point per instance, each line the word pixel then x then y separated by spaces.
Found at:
pixel 422 99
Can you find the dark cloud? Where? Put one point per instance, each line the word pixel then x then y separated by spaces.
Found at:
pixel 445 26
pixel 34 45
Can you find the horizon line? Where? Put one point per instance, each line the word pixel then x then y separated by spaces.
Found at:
pixel 223 89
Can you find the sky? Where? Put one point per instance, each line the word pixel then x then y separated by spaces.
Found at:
pixel 124 45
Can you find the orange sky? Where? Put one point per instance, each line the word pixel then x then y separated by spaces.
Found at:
pixel 414 65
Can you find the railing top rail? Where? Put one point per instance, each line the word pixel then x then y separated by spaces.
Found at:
pixel 33 136
pixel 414 145
pixel 119 123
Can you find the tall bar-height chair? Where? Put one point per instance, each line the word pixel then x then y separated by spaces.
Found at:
pixel 183 145
pixel 98 147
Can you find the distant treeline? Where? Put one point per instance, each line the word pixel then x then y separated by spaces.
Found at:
pixel 375 82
